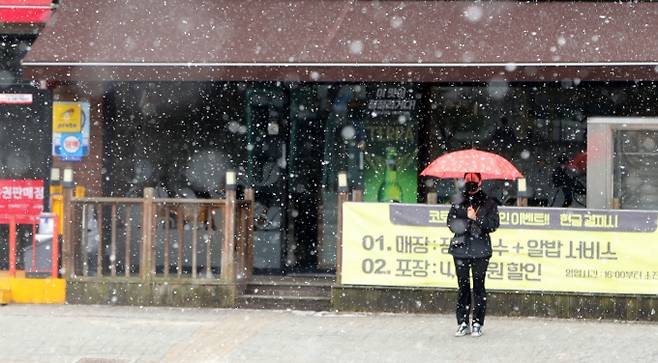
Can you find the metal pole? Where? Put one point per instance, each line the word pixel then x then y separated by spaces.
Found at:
pixel 432 198
pixel 357 195
pixel 250 196
pixel 55 248
pixel 68 249
pixel 522 193
pixel 12 246
pixel 34 247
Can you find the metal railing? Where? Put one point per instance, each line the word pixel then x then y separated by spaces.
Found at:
pixel 51 258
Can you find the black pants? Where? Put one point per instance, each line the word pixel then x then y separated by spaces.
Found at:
pixel 479 268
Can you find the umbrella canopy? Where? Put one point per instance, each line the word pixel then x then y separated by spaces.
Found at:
pixel 455 164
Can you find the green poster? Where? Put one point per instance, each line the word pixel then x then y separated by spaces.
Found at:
pixel 391 144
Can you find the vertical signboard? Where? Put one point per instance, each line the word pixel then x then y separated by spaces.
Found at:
pixel 391 144
pixel 71 130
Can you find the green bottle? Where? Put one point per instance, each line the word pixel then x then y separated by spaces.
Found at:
pixel 390 190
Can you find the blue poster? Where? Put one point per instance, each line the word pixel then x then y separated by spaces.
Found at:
pixel 71 146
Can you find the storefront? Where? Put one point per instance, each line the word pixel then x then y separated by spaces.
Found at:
pixel 24 119
pixel 291 95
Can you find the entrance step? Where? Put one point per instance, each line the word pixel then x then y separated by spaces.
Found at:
pixel 295 292
pixel 283 288
pixel 311 303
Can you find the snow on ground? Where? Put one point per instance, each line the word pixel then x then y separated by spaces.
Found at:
pixel 69 333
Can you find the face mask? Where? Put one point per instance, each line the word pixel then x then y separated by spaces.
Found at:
pixel 471 187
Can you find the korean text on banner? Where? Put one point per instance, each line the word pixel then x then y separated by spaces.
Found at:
pixel 538 249
pixel 21 197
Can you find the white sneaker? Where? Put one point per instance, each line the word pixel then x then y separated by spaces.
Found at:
pixel 477 330
pixel 462 330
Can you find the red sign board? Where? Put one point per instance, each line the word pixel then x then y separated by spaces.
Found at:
pixel 26 2
pixel 21 197
pixel 25 11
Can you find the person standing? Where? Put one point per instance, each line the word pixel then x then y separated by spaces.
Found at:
pixel 472 218
pixel 564 181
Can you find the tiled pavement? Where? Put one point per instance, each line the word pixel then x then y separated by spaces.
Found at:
pixel 95 334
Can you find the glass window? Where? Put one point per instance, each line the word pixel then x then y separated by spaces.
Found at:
pixel 636 169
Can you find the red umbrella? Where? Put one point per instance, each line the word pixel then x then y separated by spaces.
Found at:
pixel 455 164
pixel 579 162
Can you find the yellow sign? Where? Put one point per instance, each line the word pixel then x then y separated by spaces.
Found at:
pixel 23 290
pixel 66 117
pixel 539 249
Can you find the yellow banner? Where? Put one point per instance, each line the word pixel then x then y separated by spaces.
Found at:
pixel 66 117
pixel 538 249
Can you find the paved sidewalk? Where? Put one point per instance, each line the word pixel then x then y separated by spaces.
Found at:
pixel 95 334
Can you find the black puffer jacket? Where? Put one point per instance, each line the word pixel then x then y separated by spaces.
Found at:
pixel 476 232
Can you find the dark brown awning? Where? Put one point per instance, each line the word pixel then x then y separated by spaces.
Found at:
pixel 312 40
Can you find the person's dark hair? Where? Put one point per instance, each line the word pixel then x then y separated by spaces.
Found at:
pixel 476 174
